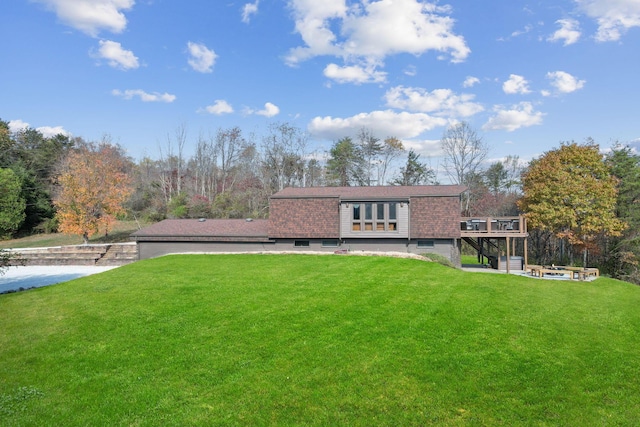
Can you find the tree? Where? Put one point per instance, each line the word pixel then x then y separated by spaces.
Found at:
pixel 34 159
pixel 496 190
pixel 625 250
pixel 495 177
pixel 414 172
pixel 94 185
pixel 12 204
pixel 571 192
pixel 314 174
pixel 370 149
pixel 204 166
pixel 464 152
pixel 229 146
pixel 344 166
pixel 284 156
pixel 391 150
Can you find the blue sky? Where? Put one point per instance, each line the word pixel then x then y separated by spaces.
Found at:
pixel 525 74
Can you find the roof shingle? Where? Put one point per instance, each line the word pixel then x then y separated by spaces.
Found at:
pixel 379 192
pixel 209 228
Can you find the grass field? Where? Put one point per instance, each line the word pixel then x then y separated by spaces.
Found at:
pixel 319 340
pixel 120 233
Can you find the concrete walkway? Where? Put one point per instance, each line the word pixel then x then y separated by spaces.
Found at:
pixel 20 278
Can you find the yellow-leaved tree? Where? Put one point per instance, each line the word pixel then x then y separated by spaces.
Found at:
pixel 572 193
pixel 94 185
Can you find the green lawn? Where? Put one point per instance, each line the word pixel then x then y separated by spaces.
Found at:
pixel 318 340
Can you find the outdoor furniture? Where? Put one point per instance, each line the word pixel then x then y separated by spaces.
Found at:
pixel 573 273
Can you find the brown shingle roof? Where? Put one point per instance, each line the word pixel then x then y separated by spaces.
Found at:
pixel 211 228
pixel 362 193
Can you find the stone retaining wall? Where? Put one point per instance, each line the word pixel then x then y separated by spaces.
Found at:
pixel 100 255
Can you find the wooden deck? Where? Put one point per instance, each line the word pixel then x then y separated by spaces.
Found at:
pixel 512 226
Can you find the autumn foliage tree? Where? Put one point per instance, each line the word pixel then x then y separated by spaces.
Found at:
pixel 94 185
pixel 570 192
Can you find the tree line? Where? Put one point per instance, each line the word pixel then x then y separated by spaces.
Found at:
pixel 578 200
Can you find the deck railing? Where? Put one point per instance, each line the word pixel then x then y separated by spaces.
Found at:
pixel 493 225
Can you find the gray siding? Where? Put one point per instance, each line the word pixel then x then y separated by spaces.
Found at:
pixel 445 247
pixel 148 250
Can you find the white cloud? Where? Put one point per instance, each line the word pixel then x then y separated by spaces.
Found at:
pixel 520 115
pixel 470 81
pixel 614 17
pixel 384 123
pixel 411 71
pixel 46 131
pixel 201 58
pixel 116 56
pixel 373 30
pixel 51 131
pixel 441 102
pixel 425 147
pixel 17 125
pixel 91 16
pixel 269 110
pixel 354 74
pixel 569 31
pixel 525 30
pixel 219 107
pixel 144 96
pixel 248 10
pixel 516 84
pixel 565 82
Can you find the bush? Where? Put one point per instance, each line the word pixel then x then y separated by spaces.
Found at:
pixel 48 226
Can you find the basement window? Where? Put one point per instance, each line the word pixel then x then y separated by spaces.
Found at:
pixel 301 243
pixel 330 243
pixel 424 244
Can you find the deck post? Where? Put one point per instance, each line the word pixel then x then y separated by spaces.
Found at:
pixel 508 255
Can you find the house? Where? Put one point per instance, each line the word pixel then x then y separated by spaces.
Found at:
pixel 415 219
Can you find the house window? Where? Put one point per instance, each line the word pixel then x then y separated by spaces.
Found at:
pixel 392 225
pixel 356 226
pixel 426 244
pixel 380 225
pixel 378 217
pixel 330 243
pixel 368 217
pixel 301 243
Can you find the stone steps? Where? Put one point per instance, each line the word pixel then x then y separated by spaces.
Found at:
pixel 119 255
pixel 103 255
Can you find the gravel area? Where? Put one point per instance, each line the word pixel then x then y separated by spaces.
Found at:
pixel 21 278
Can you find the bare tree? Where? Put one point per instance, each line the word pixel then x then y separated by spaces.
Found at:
pixel 229 146
pixel 173 162
pixel 391 150
pixel 464 152
pixel 204 165
pixel 284 156
pixel 370 149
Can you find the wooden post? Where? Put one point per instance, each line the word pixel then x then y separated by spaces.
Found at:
pixel 508 255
